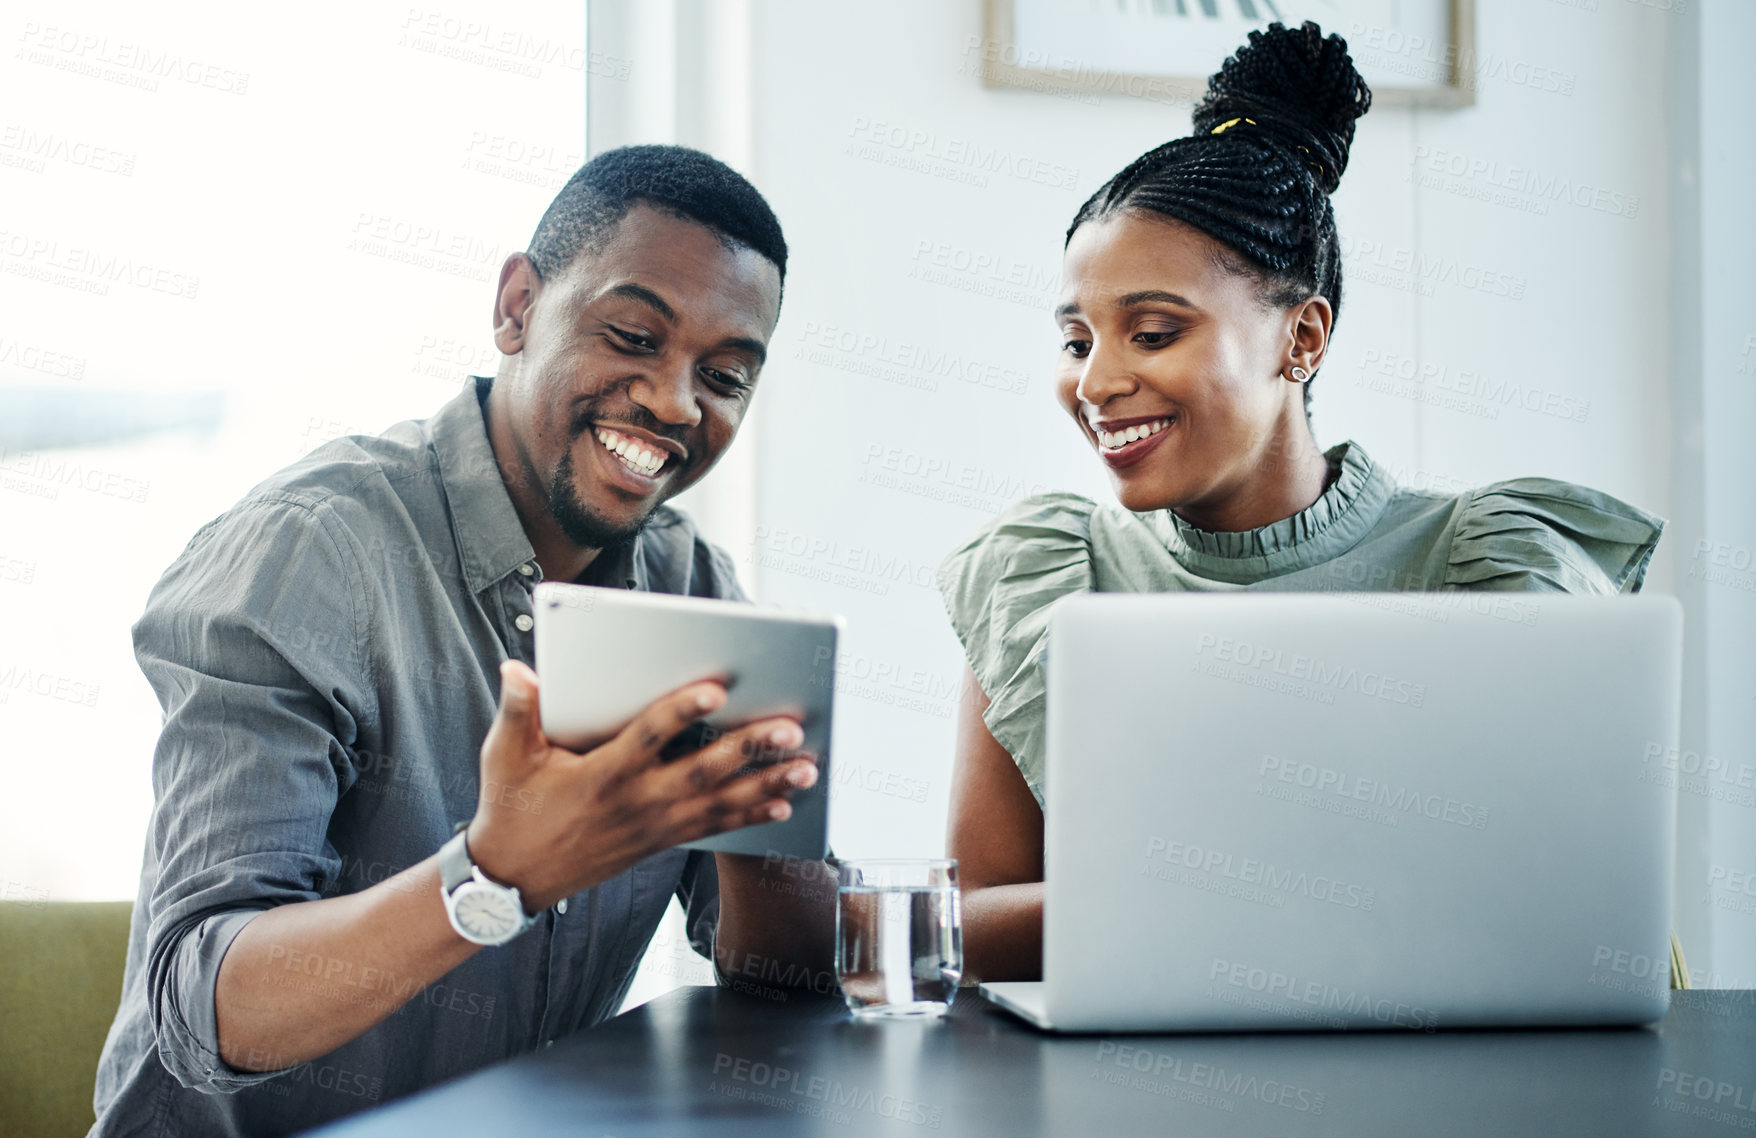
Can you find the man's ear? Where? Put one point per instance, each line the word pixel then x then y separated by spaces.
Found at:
pixel 519 285
pixel 1309 334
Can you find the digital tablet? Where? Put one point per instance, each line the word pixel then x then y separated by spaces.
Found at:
pixel 605 654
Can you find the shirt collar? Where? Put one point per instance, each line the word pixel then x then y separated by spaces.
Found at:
pixel 617 567
pixel 491 541
pixel 1329 527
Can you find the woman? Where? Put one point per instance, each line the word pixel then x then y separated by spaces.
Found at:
pixel 1200 287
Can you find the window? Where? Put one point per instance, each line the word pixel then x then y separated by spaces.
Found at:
pixel 230 235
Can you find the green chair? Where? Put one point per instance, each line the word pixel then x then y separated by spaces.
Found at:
pixel 60 983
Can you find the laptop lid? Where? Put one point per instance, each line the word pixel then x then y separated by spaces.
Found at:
pixel 1327 810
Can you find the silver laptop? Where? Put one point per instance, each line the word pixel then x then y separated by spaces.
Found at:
pixel 1354 811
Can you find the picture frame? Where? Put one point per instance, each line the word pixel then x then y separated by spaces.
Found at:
pixel 1418 53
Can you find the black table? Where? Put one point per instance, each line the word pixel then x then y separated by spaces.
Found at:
pixel 706 1061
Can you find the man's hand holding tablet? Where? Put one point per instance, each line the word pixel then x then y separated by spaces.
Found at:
pixel 606 656
pixel 553 821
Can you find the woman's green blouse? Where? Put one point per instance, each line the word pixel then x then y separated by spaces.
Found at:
pixel 1364 533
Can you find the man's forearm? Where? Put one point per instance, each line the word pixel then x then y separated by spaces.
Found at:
pixel 302 979
pixel 777 920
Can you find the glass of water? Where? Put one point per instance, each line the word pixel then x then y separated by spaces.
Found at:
pixel 899 936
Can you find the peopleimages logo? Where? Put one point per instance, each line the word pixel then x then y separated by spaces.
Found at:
pixel 831 1093
pixel 1635 964
pixel 88 270
pixel 907 146
pixel 1318 994
pixel 862 559
pixel 1312 670
pixel 1711 767
pixel 1399 800
pixel 1541 187
pixel 1251 871
pixel 1171 1069
pixel 1725 1097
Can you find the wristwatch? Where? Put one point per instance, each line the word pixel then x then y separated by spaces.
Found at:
pixel 482 911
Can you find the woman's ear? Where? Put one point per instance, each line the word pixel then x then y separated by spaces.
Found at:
pixel 1308 336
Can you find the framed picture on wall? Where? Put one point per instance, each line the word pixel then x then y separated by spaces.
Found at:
pixel 1412 52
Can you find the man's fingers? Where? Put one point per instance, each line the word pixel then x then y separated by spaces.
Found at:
pixel 765 741
pixel 771 785
pixel 749 801
pixel 642 741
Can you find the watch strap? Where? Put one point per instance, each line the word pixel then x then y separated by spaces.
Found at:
pixel 455 864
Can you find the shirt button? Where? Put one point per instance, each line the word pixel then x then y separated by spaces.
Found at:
pixel 526 570
pixel 523 621
pixel 561 905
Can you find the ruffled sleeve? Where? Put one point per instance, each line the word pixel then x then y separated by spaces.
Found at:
pixel 998 589
pixel 1539 535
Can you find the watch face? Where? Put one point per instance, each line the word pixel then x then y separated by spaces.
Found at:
pixel 485 913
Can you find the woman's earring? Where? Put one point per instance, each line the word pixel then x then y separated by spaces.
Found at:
pixel 1300 375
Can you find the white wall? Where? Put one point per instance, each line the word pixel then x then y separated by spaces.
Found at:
pixel 869 220
pixel 1515 250
pixel 1713 357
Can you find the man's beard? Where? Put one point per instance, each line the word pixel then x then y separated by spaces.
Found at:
pixel 584 526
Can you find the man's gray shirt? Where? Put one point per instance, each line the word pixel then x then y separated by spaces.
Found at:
pixel 327 655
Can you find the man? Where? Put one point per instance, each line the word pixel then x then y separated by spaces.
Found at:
pixel 341 658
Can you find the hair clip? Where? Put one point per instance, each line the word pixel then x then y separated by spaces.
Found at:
pixel 1320 167
pixel 1231 122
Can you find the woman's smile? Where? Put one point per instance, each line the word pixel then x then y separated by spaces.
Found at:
pixel 1123 442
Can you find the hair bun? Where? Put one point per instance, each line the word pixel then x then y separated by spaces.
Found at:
pixel 1300 87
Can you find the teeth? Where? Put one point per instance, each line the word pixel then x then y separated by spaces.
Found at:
pixel 634 455
pixel 1131 434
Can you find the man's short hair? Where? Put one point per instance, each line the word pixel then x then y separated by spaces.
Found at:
pixel 676 179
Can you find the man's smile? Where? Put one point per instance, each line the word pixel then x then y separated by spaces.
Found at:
pixel 637 460
pixel 638 456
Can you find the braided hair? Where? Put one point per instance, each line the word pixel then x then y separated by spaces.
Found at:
pixel 1270 144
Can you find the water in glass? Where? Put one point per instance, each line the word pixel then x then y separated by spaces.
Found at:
pixel 899 942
